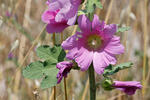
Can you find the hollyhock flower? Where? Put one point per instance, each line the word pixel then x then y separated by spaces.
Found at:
pixel 64 68
pixel 95 43
pixel 60 14
pixel 129 87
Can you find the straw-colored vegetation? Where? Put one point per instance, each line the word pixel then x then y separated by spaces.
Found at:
pixel 22 31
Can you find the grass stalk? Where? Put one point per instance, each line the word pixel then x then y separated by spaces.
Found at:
pixel 145 47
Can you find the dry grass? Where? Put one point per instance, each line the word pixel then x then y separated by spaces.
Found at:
pixel 27 13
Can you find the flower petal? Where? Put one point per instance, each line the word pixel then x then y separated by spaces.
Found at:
pixel 72 20
pixel 73 53
pixel 84 60
pixel 84 23
pixel 70 42
pixel 101 60
pixel 47 16
pixel 56 27
pixel 62 14
pixel 109 30
pixel 114 46
pixel 129 87
pixel 54 5
pixel 96 23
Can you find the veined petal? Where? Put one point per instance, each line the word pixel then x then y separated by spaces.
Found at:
pixel 62 14
pixel 69 43
pixel 84 60
pixel 84 23
pixel 101 60
pixel 109 30
pixel 114 46
pixel 96 25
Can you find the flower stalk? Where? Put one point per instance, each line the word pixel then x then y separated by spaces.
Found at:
pixel 92 83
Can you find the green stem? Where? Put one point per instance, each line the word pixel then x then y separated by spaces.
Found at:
pixel 92 83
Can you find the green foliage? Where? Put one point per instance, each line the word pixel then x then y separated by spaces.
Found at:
pixel 92 4
pixel 34 70
pixel 110 70
pixel 55 53
pixel 46 69
pixel 82 12
pixel 123 29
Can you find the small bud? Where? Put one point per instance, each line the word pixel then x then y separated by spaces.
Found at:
pixel 107 84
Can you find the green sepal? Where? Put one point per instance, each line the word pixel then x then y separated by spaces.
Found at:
pixel 107 84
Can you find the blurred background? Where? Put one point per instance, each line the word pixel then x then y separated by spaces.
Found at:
pixel 21 31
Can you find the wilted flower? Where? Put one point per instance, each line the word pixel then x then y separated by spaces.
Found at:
pixel 64 68
pixel 96 42
pixel 129 87
pixel 60 14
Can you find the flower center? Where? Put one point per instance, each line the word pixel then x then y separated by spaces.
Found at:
pixel 94 42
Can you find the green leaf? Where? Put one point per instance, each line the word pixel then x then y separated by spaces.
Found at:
pixel 50 79
pixel 37 70
pixel 55 53
pixel 110 70
pixel 82 12
pixel 43 52
pixel 92 4
pixel 61 55
pixel 47 69
pixel 34 70
pixel 123 29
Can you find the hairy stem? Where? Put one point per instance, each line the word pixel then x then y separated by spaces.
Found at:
pixel 92 83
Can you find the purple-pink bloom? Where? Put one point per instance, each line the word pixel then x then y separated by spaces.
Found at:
pixel 8 14
pixel 60 14
pixel 10 55
pixel 95 43
pixel 129 87
pixel 64 68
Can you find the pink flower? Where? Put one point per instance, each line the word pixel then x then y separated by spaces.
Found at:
pixel 10 55
pixel 64 68
pixel 95 43
pixel 128 87
pixel 60 14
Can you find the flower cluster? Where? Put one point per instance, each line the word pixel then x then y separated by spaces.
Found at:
pixel 95 45
pixel 60 14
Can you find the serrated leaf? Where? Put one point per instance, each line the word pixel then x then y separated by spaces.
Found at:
pixel 123 29
pixel 33 70
pixel 110 70
pixel 92 4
